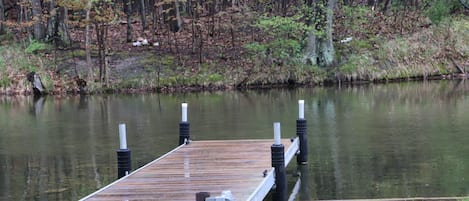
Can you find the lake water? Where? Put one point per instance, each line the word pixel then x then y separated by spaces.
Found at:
pixel 368 141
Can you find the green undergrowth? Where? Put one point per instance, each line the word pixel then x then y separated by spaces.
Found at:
pixel 160 74
pixel 426 53
pixel 277 60
pixel 15 63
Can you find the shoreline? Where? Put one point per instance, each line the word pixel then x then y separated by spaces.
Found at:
pixel 223 88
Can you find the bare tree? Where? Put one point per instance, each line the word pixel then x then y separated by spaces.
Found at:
pixel 143 14
pixel 63 18
pixel 2 17
pixel 52 21
pixel 128 12
pixel 88 41
pixel 38 26
pixel 178 15
pixel 172 15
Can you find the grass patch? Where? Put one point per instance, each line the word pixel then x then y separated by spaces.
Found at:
pixel 131 83
pixel 47 81
pixel 5 81
pixel 425 53
pixel 15 63
pixel 36 46
pixel 215 77
pixel 309 74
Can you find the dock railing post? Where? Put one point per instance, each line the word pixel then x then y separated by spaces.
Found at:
pixel 301 132
pixel 184 126
pixel 123 154
pixel 278 162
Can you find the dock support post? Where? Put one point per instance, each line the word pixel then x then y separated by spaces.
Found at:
pixel 301 132
pixel 278 162
pixel 184 126
pixel 123 154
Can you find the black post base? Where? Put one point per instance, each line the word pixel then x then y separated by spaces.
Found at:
pixel 301 132
pixel 123 162
pixel 278 162
pixel 184 135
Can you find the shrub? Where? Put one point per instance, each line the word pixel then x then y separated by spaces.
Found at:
pixel 36 46
pixel 5 81
pixel 285 36
pixel 440 9
pixel 215 77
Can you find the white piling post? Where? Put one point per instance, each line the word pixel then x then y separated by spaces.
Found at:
pixel 124 160
pixel 184 112
pixel 122 136
pixel 301 109
pixel 184 126
pixel 277 134
pixel 301 126
pixel 278 163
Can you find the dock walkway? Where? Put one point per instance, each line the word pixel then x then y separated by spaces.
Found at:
pixel 241 166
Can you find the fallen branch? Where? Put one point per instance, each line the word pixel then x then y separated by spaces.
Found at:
pixel 460 68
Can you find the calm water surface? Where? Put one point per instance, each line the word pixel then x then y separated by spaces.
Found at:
pixel 373 141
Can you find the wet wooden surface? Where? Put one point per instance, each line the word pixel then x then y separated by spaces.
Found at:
pixel 201 166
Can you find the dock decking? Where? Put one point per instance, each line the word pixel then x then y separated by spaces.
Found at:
pixel 241 166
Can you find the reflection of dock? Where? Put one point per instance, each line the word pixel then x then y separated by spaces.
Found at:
pixel 242 166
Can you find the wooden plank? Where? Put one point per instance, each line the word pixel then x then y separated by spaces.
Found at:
pixel 209 166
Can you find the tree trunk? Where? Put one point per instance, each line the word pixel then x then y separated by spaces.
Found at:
pixel 152 10
pixel 51 21
pixel 284 8
pixel 319 48
pixel 178 16
pixel 88 42
pixel 201 45
pixel 128 12
pixel 211 23
pixel 326 46
pixel 311 55
pixel 100 37
pixel 21 17
pixel 2 17
pixel 386 5
pixel 65 36
pixel 194 33
pixel 37 19
pixel 173 17
pixel 143 15
pixel 232 32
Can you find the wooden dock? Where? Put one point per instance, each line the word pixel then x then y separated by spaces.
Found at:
pixel 241 166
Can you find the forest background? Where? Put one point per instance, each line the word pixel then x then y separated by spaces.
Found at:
pixel 99 46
